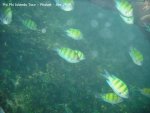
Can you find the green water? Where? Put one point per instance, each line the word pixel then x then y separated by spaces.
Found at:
pixel 35 79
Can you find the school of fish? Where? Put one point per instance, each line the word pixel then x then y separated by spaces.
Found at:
pixel 118 86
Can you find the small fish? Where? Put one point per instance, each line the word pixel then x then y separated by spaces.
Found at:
pixel 136 56
pixel 126 10
pixel 118 86
pixel 147 27
pixel 75 34
pixel 6 15
pixel 66 5
pixel 124 7
pixel 145 21
pixel 1 110
pixel 145 18
pixel 70 55
pixel 145 92
pixel 111 98
pixel 146 5
pixel 30 24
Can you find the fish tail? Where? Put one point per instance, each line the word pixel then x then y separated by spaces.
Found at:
pixel 98 95
pixel 134 88
pixel 55 47
pixel 130 48
pixel 106 74
pixel 139 90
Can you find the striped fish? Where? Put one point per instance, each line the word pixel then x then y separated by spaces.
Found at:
pixel 147 27
pixel 70 55
pixel 146 21
pixel 126 10
pixel 75 34
pixel 6 15
pixel 124 7
pixel 66 5
pixel 111 98
pixel 118 86
pixel 136 56
pixel 145 92
pixel 30 24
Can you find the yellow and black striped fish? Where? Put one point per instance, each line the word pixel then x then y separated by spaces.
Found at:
pixel 126 10
pixel 118 86
pixel 30 24
pixel 6 15
pixel 111 98
pixel 70 55
pixel 124 7
pixel 75 34
pixel 136 56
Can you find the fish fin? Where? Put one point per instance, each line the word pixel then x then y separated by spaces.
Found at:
pixel 54 47
pixel 130 49
pixel 109 83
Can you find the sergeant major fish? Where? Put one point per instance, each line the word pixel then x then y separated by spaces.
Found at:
pixel 126 10
pixel 30 24
pixel 6 15
pixel 118 86
pixel 111 98
pixel 75 34
pixel 70 55
pixel 136 56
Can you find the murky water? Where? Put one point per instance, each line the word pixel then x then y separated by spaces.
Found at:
pixel 34 78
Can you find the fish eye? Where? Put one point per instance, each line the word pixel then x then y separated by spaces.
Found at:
pixel 120 93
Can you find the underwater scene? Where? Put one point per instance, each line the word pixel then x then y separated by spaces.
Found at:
pixel 74 56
